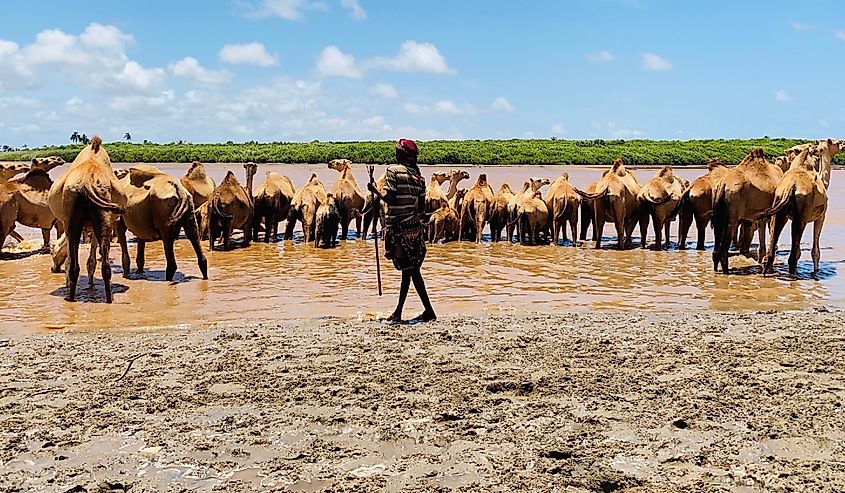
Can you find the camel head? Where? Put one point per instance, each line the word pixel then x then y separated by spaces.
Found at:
pixel 47 163
pixel 251 168
pixel 439 177
pixel 10 170
pixel 831 147
pixel 565 176
pixel 314 180
pixel 618 167
pixel 340 165
pixel 665 173
pixel 461 193
pixel 197 170
pixel 458 175
pixel 537 183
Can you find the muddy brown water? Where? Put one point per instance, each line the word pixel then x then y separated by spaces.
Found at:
pixel 293 280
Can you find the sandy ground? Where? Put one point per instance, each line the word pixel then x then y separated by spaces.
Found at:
pixel 602 402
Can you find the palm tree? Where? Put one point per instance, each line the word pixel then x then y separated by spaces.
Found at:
pixel 74 137
pixel 84 139
pixel 127 137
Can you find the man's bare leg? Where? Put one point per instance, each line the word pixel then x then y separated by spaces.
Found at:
pixel 419 284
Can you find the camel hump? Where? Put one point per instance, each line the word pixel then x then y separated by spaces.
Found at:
pixel 482 179
pixel 96 142
pixel 758 153
pixel 229 179
pixel 565 176
pixel 714 163
pixel 142 173
pixel 666 172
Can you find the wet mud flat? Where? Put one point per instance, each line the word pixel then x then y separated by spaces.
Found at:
pixel 680 401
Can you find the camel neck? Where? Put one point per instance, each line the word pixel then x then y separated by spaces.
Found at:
pixel 824 168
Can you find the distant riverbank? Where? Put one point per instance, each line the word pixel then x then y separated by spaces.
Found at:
pixel 449 152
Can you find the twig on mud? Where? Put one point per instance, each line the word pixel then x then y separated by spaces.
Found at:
pixel 45 391
pixel 129 366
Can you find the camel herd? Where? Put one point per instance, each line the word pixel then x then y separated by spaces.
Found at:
pixel 95 201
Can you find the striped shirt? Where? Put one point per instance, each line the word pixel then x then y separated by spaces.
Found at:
pixel 408 186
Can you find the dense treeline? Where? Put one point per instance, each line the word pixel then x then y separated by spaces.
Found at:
pixel 517 151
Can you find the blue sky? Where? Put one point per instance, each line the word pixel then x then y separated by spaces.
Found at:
pixel 298 70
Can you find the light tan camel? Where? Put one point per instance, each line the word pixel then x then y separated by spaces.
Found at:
pixel 532 219
pixel 659 198
pixel 435 197
pixel 801 196
pixel 348 197
pixel 326 222
pixel 272 204
pixel 499 215
pixel 562 203
pixel 455 177
pixel 304 207
pixel 475 209
pixel 740 195
pixel 29 193
pixel 198 183
pixel 230 207
pixel 697 202
pixel 445 220
pixel 529 188
pixel 88 195
pixel 615 200
pixel 158 207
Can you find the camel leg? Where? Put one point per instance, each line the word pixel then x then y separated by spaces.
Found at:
pixel 124 248
pixel 45 235
pixel 573 225
pixel 344 227
pixel 193 235
pixel 104 240
pixel 586 218
pixel 816 252
pixel 598 225
pixel 658 232
pixel 795 254
pixel 358 229
pixel 91 265
pixel 730 232
pixel 684 224
pixel 268 229
pixel 247 236
pixel 169 255
pixel 139 257
pixel 227 233
pixel 14 234
pixel 72 269
pixel 620 228
pixel 701 225
pixel 291 223
pixel 666 232
pixel 643 230
pixel 777 224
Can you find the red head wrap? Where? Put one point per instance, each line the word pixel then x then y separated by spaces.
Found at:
pixel 406 151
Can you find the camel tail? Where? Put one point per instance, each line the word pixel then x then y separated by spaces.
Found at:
pixel 591 196
pixel 516 220
pixel 215 205
pixel 560 215
pixel 777 206
pixel 96 142
pixel 720 210
pixel 681 203
pixel 100 202
pixel 185 205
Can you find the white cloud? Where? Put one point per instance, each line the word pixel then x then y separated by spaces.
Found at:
pixel 443 107
pixel 782 95
pixel 8 47
pixel 291 10
pixel 54 46
pixel 840 35
pixel 600 57
pixel 134 75
pixel 134 103
pixel 248 53
pixel 335 63
pixel 190 67
pixel 800 26
pixel 385 91
pixel 558 129
pixel 355 9
pixel 97 35
pixel 415 57
pixel 612 129
pixel 74 102
pixel 652 61
pixel 501 104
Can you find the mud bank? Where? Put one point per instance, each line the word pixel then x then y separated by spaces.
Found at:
pixel 584 402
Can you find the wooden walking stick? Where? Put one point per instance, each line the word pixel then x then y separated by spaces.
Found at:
pixel 376 216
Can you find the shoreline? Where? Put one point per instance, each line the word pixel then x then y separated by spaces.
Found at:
pixel 592 402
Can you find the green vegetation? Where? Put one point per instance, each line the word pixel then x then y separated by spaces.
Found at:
pixel 554 151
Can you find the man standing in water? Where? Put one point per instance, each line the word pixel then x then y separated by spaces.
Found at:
pixel 404 241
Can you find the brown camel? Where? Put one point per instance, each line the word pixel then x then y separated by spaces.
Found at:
pixel 659 198
pixel 272 204
pixel 230 207
pixel 435 197
pixel 158 206
pixel 455 177
pixel 88 195
pixel 499 216
pixel 373 207
pixel 740 195
pixel 475 209
pixel 697 202
pixel 801 196
pixel 327 220
pixel 29 193
pixel 562 203
pixel 615 200
pixel 445 220
pixel 11 170
pixel 348 197
pixel 532 219
pixel 304 207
